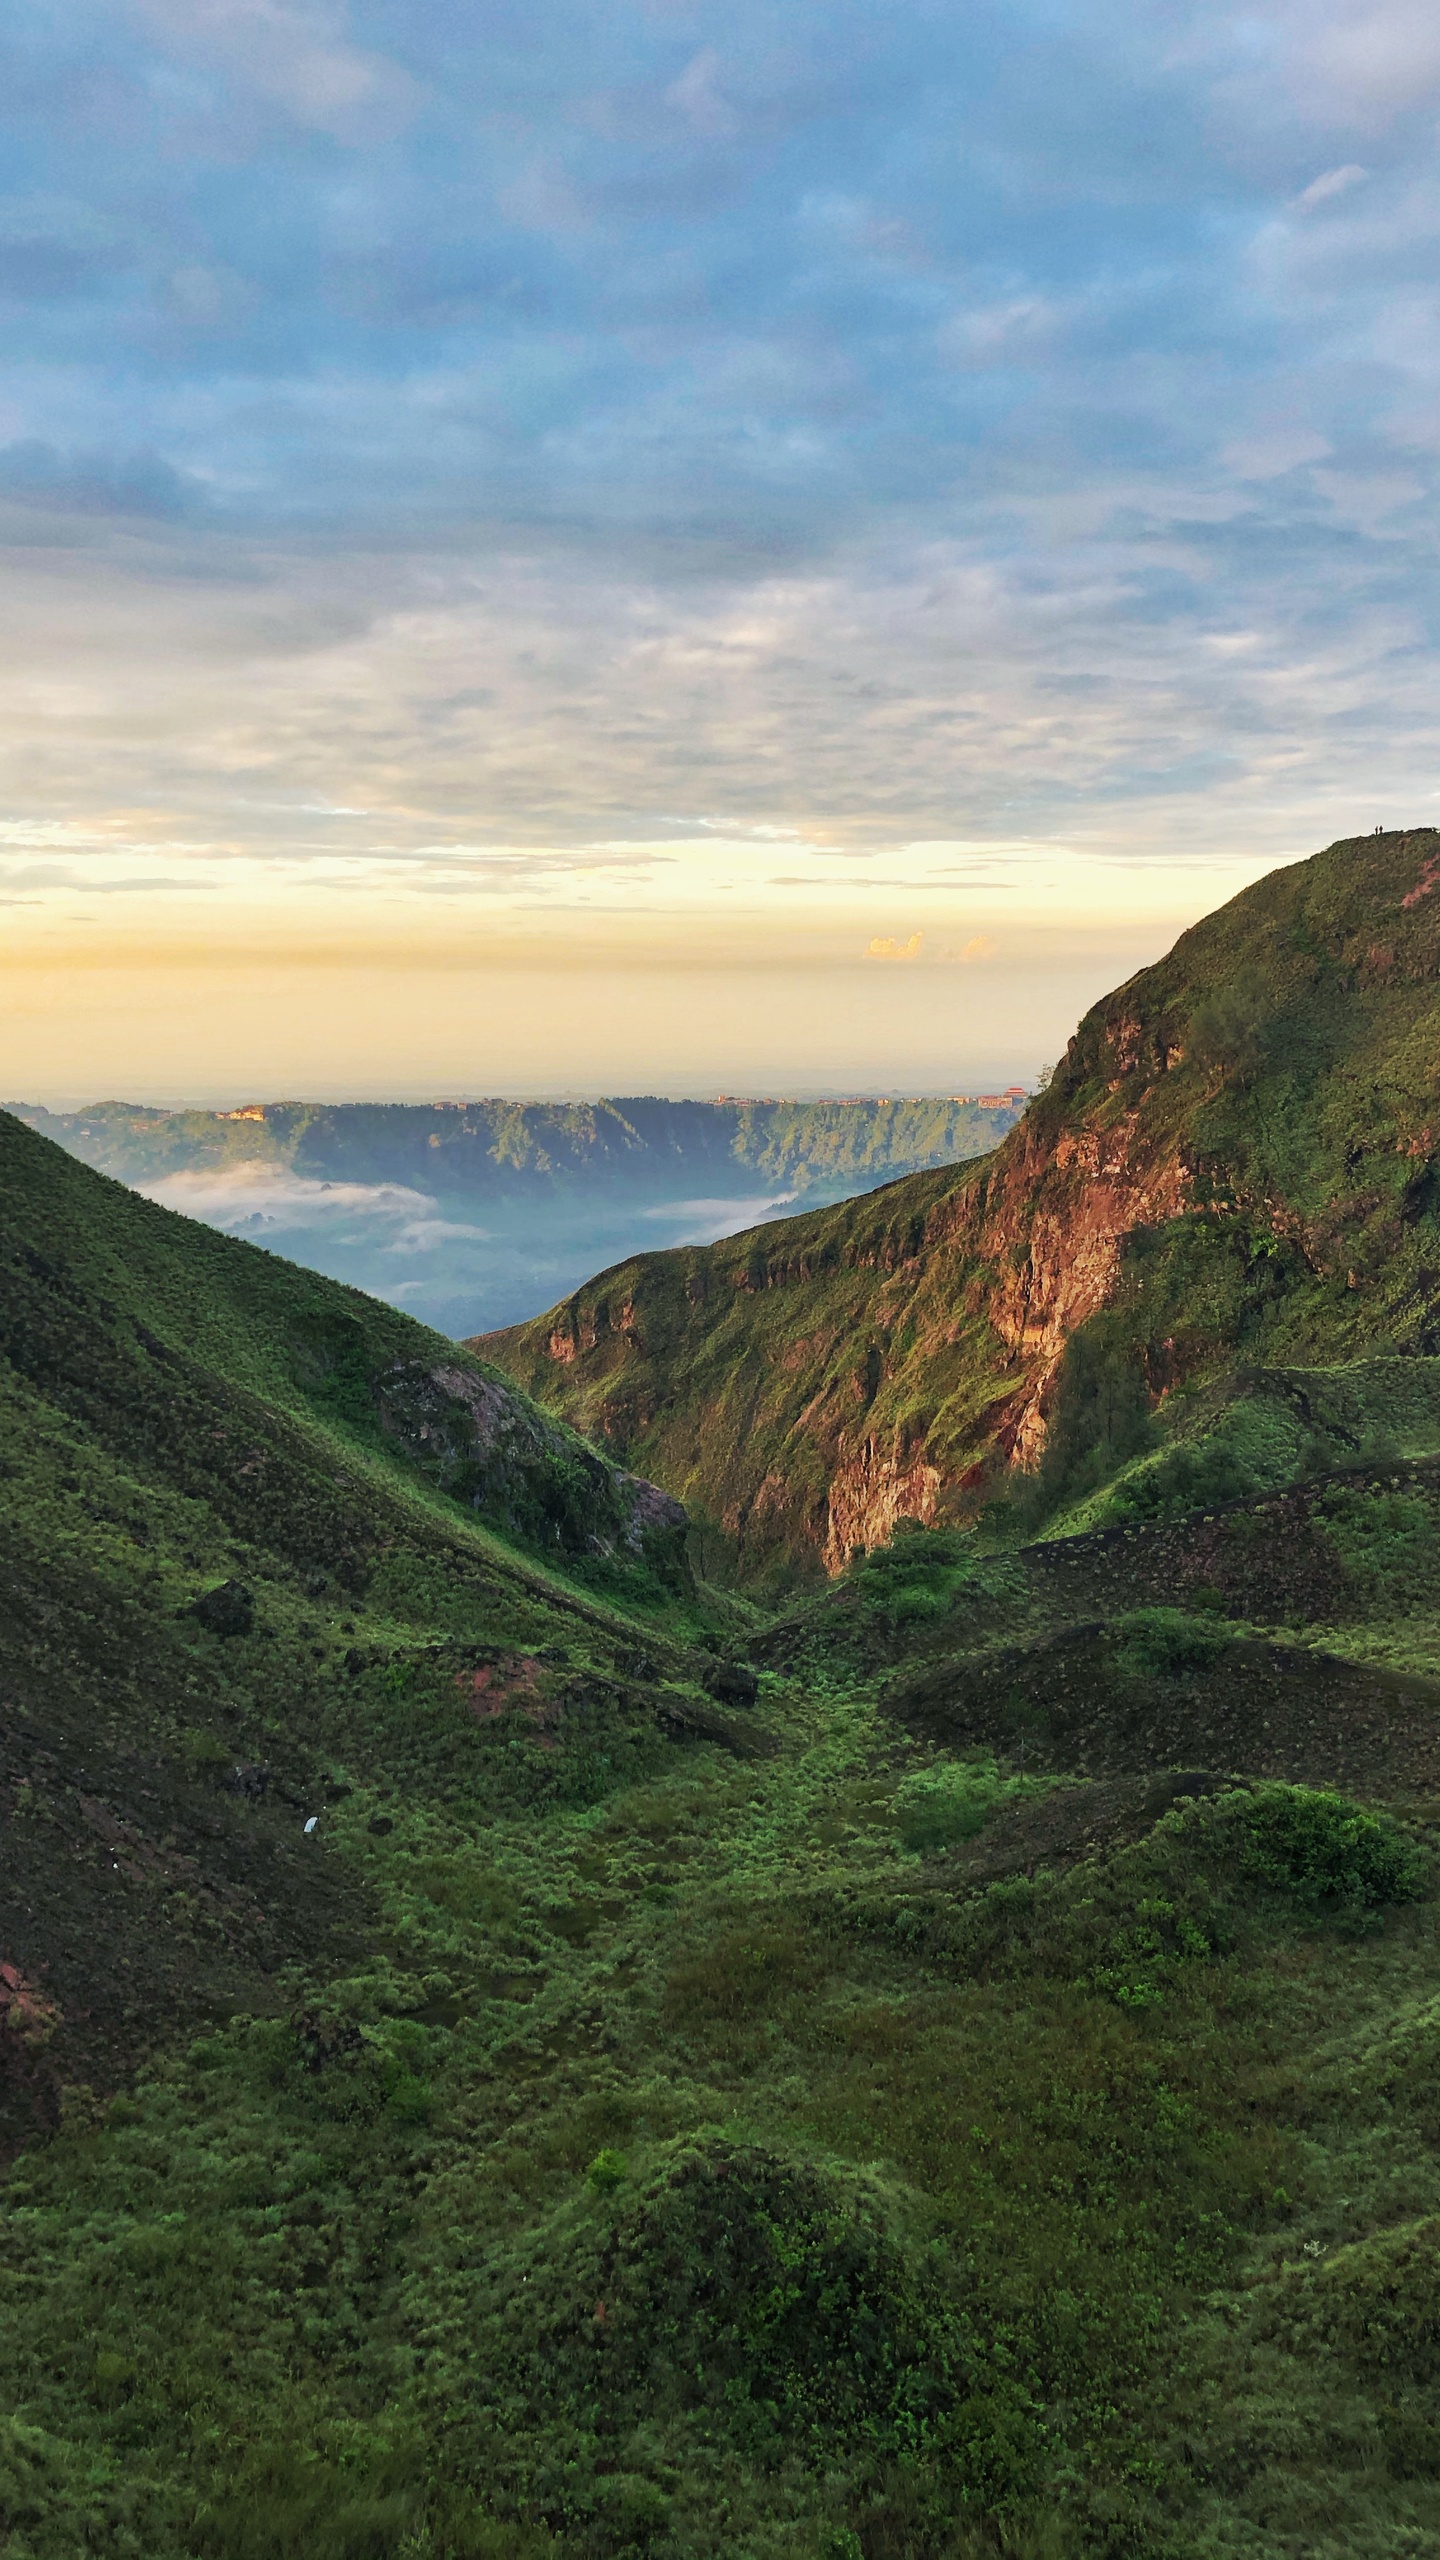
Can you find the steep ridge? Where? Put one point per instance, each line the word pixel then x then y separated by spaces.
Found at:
pixel 110 1268
pixel 1235 1159
pixel 240 1510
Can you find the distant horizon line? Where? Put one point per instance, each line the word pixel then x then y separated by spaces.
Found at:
pixel 996 1097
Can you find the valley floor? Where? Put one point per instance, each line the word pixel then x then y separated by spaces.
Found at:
pixel 488 2073
pixel 804 2146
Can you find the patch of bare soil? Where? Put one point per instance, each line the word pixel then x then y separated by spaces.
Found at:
pixel 1267 1557
pixel 139 1901
pixel 1071 1702
pixel 1062 1825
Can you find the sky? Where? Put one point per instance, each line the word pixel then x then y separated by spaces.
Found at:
pixel 667 547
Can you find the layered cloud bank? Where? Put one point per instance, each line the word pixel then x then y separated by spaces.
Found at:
pixel 763 487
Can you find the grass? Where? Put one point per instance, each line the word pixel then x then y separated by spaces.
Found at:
pixel 470 2092
pixel 830 2198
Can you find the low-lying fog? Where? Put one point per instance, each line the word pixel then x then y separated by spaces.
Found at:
pixel 425 1255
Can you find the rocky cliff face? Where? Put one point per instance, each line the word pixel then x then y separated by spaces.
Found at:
pixel 1238 1152
pixel 528 1474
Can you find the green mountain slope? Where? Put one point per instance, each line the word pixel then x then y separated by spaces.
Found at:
pixel 236 1503
pixel 899 2105
pixel 1235 1161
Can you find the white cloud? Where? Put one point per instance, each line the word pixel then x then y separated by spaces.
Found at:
pixel 1365 60
pixel 1335 182
pixel 421 1235
pixel 706 1221
pixel 699 96
pixel 1012 332
pixel 1270 451
pixel 301 58
pixel 254 1193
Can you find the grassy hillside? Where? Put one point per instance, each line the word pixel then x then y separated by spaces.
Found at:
pixel 961 2091
pixel 239 1508
pixel 1235 1162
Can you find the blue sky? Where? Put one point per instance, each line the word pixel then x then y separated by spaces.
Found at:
pixel 584 479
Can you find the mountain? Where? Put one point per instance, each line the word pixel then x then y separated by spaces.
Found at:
pixel 507 2053
pixel 473 1213
pixel 226 1486
pixel 1234 1162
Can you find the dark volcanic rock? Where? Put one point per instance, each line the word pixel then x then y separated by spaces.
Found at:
pixel 733 1683
pixel 228 1610
pixel 1258 1709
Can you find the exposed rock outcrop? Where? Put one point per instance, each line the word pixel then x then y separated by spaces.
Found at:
pixel 493 1449
pixel 1264 1099
pixel 869 1492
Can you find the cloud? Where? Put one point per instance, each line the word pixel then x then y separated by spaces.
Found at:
pixel 699 96
pixel 886 947
pixel 843 428
pixel 253 1195
pixel 1335 182
pixel 1013 332
pixel 1361 61
pixel 421 1235
pixel 36 474
pixel 979 947
pixel 706 1221
pixel 1271 450
pixel 56 248
pixel 300 58
pixel 56 875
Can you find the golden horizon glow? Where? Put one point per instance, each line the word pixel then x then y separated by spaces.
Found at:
pixel 256 987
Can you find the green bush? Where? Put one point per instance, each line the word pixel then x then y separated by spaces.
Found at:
pixel 1386 1539
pixel 1163 1644
pixel 1323 1849
pixel 941 1807
pixel 1185 1479
pixel 921 1576
pixel 1378 2300
pixel 774 2296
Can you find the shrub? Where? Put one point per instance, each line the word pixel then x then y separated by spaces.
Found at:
pixel 921 1576
pixel 1163 1644
pixel 1385 1539
pixel 1323 1849
pixel 775 2293
pixel 1378 2299
pixel 940 1807
pixel 1185 1479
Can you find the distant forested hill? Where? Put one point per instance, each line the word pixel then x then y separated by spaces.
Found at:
pixel 475 1214
pixel 501 1148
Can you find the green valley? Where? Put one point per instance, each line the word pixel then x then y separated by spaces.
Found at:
pixel 538 2025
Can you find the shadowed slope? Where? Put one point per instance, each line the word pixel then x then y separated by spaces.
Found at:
pixel 247 1530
